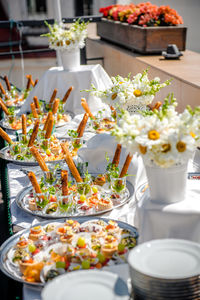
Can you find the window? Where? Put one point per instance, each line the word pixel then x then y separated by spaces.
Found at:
pixel 36 7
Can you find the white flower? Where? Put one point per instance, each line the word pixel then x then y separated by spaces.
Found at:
pixel 163 138
pixel 138 91
pixel 63 38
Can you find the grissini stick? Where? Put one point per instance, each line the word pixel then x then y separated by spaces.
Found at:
pixel 50 115
pixel 157 105
pixel 71 164
pixel 7 83
pixel 2 89
pixel 113 111
pixel 34 133
pixel 34 111
pixel 126 165
pixel 53 96
pixel 4 107
pixel 35 83
pixel 24 127
pixel 39 159
pixel 64 181
pixel 55 106
pixel 49 127
pixel 5 136
pixel 86 108
pixel 37 105
pixel 82 125
pixel 34 182
pixel 64 100
pixel 116 157
pixel 28 85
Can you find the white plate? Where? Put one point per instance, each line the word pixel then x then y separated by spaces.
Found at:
pixel 166 259
pixel 86 285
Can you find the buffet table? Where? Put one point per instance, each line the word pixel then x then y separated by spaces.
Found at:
pixel 179 220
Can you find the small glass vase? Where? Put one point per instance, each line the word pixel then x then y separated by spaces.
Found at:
pixel 167 185
pixel 70 59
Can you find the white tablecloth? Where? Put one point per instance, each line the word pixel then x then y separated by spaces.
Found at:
pixel 180 220
pixel 61 80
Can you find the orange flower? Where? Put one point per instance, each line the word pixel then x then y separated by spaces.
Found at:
pixel 143 149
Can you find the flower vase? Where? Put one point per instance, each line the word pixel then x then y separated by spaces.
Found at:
pixel 167 185
pixel 196 160
pixel 70 59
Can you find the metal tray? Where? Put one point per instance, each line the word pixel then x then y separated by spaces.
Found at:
pixel 10 270
pixel 8 129
pixel 20 203
pixel 4 156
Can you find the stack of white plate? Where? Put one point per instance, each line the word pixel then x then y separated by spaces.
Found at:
pixel 165 269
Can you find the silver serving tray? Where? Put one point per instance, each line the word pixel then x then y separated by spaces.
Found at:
pixel 20 196
pixel 4 156
pixel 8 129
pixel 10 270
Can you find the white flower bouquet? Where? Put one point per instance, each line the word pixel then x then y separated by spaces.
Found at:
pixel 63 38
pixel 124 92
pixel 163 138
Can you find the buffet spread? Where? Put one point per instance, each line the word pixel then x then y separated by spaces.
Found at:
pixel 78 161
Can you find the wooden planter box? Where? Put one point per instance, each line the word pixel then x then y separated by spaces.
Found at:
pixel 142 39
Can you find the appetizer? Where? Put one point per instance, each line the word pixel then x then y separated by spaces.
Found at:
pixel 47 251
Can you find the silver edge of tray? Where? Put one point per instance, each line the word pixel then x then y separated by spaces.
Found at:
pixel 6 246
pixel 26 190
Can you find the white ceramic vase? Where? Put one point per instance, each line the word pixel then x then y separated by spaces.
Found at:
pixel 167 185
pixel 70 60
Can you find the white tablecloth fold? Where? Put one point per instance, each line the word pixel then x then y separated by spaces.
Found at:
pixel 80 79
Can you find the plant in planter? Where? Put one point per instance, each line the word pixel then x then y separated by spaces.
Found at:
pixel 144 27
pixel 131 94
pixel 69 40
pixel 143 14
pixel 166 141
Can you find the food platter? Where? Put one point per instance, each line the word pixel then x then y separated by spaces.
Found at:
pixel 85 227
pixel 6 127
pixel 23 198
pixel 5 156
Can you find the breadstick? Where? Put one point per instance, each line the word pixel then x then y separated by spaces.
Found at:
pixel 116 157
pixel 53 96
pixel 35 83
pixel 7 83
pixel 86 108
pixel 83 123
pixel 126 165
pixel 49 128
pixel 4 107
pixel 64 100
pixel 24 129
pixel 34 182
pixel 36 102
pixel 39 159
pixel 34 133
pixel 2 89
pixel 28 85
pixel 157 105
pixel 71 164
pixel 50 115
pixel 34 111
pixel 5 136
pixel 113 112
pixel 55 106
pixel 64 180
